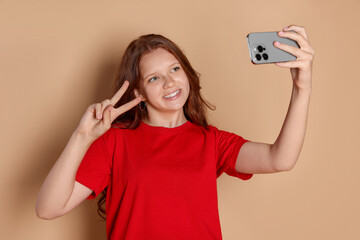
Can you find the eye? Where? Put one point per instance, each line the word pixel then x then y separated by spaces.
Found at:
pixel 175 69
pixel 152 79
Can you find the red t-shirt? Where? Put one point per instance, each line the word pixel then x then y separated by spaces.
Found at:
pixel 161 182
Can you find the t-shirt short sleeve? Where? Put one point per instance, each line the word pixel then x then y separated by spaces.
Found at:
pixel 228 146
pixel 95 169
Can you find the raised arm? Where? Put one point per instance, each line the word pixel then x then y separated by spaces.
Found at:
pixel 60 193
pixel 257 157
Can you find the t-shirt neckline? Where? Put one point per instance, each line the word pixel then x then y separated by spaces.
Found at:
pixel 160 129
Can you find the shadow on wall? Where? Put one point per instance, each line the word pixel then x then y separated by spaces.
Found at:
pixel 92 226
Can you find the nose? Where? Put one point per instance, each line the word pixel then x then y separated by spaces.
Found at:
pixel 168 82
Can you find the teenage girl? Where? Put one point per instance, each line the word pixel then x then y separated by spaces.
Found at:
pixel 151 151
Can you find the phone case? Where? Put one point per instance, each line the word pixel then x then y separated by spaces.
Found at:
pixel 262 49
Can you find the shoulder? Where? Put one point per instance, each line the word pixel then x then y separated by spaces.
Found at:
pixel 223 135
pixel 115 131
pixel 209 131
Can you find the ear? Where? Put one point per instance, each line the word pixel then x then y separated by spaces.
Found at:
pixel 137 94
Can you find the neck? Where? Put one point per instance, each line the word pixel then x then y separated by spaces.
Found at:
pixel 169 120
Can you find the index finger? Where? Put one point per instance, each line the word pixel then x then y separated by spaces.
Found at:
pixel 115 112
pixel 119 93
pixel 298 29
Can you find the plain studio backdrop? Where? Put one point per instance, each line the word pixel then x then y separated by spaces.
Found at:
pixel 58 57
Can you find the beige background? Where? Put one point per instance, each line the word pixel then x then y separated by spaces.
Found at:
pixel 58 57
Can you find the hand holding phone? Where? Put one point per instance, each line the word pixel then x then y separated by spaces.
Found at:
pixel 262 49
pixel 294 52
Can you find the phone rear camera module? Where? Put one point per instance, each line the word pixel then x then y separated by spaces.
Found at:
pixel 260 48
pixel 258 57
pixel 265 56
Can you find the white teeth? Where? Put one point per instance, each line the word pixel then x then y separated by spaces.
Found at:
pixel 173 94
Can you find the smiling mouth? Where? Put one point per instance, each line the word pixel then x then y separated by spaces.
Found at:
pixel 172 94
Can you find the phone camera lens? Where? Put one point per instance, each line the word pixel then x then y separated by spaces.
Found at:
pixel 265 56
pixel 260 48
pixel 258 57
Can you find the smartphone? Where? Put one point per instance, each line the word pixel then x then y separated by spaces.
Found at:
pixel 262 49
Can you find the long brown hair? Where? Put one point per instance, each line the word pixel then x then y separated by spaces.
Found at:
pixel 128 69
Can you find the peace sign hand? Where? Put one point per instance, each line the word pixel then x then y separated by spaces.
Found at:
pixel 99 116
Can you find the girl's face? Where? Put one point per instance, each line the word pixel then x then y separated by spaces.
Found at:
pixel 164 84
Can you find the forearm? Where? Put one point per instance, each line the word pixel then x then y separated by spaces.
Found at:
pixel 287 147
pixel 58 185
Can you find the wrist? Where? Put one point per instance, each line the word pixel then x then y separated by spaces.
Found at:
pixel 301 96
pixel 82 137
pixel 304 92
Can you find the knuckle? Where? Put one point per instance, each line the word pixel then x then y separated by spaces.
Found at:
pixel 91 106
pixel 309 57
pixel 106 101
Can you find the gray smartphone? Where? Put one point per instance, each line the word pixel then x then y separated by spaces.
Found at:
pixel 262 49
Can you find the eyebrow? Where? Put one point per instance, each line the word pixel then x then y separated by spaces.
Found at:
pixel 154 73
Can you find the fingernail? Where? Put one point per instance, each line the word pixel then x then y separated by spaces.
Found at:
pixel 286 28
pixel 98 116
pixel 281 33
pixel 111 108
pixel 277 43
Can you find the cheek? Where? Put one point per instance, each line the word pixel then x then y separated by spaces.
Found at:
pixel 187 84
pixel 188 92
pixel 151 93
